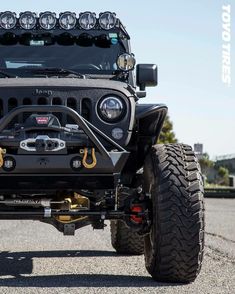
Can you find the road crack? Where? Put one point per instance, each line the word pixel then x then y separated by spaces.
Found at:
pixel 219 254
pixel 220 236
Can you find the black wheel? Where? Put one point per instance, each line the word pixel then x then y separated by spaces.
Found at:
pixel 174 247
pixel 124 240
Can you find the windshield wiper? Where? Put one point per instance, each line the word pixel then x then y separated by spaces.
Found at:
pixel 7 75
pixel 57 71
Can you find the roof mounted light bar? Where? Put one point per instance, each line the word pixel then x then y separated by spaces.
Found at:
pixel 66 21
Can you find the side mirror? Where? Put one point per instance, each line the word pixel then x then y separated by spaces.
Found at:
pixel 146 76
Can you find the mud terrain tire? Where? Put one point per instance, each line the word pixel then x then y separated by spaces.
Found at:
pixel 124 240
pixel 174 247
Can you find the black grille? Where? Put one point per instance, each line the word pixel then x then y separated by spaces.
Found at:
pixel 81 99
pixel 8 104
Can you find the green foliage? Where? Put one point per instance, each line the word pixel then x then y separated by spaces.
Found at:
pixel 213 173
pixel 206 163
pixel 223 174
pixel 222 171
pixel 167 135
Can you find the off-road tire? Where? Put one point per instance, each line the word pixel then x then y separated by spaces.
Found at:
pixel 174 247
pixel 124 240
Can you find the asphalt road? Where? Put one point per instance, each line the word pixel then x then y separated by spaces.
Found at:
pixel 35 258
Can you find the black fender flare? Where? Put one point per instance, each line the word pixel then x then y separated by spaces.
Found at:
pixel 150 119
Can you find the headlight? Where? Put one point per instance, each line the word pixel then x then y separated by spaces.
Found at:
pixel 107 20
pixel 67 20
pixel 87 20
pixel 47 20
pixel 27 20
pixel 7 20
pixel 111 109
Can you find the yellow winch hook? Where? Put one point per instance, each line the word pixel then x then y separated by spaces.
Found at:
pixel 84 160
pixel 2 152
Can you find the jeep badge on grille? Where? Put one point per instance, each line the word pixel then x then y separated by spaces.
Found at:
pixel 43 92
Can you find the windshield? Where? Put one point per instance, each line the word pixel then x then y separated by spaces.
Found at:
pixel 83 54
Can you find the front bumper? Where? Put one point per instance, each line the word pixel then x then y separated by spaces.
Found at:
pixel 49 171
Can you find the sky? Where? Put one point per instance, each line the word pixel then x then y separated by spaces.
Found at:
pixel 184 38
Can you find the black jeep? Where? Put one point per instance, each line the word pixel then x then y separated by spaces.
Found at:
pixel 77 148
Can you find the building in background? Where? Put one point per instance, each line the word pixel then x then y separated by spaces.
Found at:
pixel 198 149
pixel 228 161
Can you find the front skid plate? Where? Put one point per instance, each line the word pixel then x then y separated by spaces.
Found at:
pixel 52 183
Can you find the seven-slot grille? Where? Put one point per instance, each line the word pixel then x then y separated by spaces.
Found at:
pixel 82 106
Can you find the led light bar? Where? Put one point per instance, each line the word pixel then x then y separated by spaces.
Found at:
pixel 67 20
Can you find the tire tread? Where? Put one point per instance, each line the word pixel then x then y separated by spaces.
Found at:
pixel 178 244
pixel 124 240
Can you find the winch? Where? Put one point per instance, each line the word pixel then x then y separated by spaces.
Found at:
pixel 42 143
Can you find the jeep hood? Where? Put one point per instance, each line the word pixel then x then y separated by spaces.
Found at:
pixel 74 83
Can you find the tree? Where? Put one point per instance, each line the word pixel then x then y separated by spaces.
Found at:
pixel 205 163
pixel 213 173
pixel 167 135
pixel 223 174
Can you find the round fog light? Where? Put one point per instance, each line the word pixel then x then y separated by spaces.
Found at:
pixel 76 163
pixel 117 133
pixel 126 62
pixel 9 163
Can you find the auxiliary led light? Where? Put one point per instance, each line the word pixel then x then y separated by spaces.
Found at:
pixel 87 20
pixel 9 163
pixel 117 133
pixel 7 20
pixel 107 20
pixel 27 20
pixel 47 20
pixel 126 62
pixel 67 20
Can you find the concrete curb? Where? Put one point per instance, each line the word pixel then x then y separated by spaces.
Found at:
pixel 220 193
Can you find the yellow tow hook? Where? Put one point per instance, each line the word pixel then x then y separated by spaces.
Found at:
pixel 2 152
pixel 84 160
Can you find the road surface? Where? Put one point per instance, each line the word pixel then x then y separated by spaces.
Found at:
pixel 35 258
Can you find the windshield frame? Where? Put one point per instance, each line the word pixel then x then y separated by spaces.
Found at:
pixel 123 42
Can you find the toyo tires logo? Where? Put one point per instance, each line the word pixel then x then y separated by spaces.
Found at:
pixel 226 44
